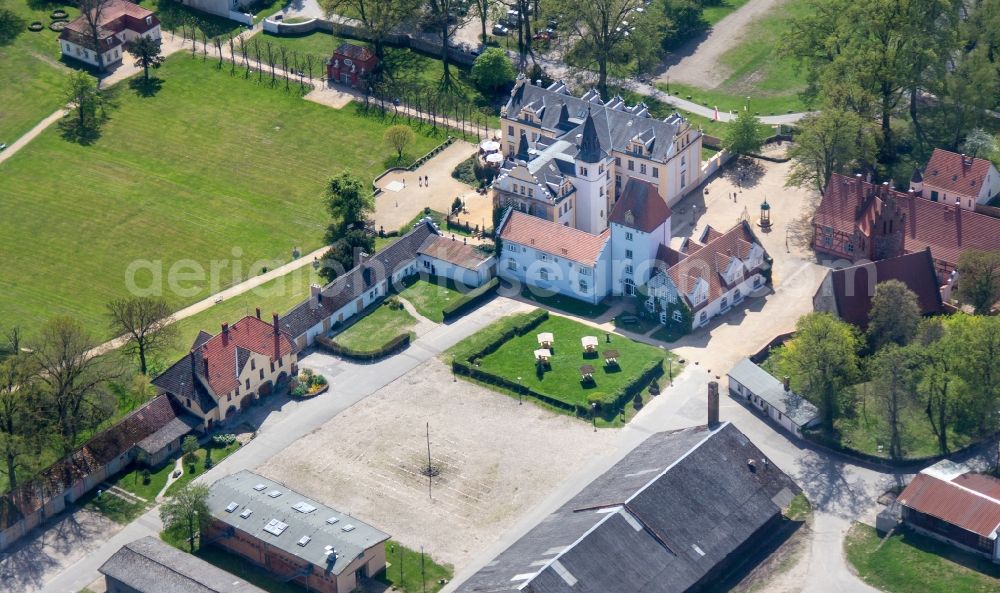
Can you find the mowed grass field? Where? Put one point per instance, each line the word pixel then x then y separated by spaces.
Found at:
pixel 31 76
pixel 212 168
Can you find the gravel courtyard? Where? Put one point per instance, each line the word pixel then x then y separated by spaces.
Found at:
pixel 496 459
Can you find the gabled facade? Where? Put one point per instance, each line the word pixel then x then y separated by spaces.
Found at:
pixel 121 21
pixel 576 154
pixel 640 225
pixel 952 178
pixel 351 65
pixel 225 373
pixel 709 276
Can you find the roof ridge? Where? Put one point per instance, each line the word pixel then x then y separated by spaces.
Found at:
pixel 155 561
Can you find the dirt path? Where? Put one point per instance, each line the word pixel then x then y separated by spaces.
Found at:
pixel 697 62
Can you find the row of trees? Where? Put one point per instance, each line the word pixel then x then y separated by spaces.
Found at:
pixel 946 367
pixel 55 388
pixel 891 78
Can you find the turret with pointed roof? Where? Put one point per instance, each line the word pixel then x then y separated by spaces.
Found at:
pixel 590 145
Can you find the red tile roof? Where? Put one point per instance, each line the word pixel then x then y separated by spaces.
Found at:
pixel 116 16
pixel 223 351
pixel 358 53
pixel 964 503
pixel 640 207
pixel 956 174
pixel 554 238
pixel 708 261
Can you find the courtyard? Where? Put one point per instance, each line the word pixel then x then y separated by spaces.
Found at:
pixel 494 460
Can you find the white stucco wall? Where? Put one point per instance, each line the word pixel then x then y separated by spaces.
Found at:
pixel 549 272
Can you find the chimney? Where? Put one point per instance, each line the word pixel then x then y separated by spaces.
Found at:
pixel 316 295
pixel 713 404
pixel 258 312
pixel 360 257
pixel 538 82
pixel 225 333
pixel 787 382
pixel 277 330
pixel 859 187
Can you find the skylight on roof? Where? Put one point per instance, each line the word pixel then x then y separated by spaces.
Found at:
pixel 347 527
pixel 232 507
pixel 332 520
pixel 246 513
pixel 274 494
pixel 275 527
pixel 260 487
pixel 303 507
pixel 305 539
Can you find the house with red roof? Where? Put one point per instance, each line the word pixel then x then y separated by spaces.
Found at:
pixel 350 64
pixel 551 257
pixel 640 225
pixel 858 220
pixel 949 502
pixel 953 178
pixel 120 21
pixel 708 277
pixel 229 371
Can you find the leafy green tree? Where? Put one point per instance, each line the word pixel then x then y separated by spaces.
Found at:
pixel 146 51
pixel 19 426
pixel 187 510
pixel 340 257
pixel 599 26
pixel 823 358
pixel 894 378
pixel 189 446
pixel 744 135
pixel 146 323
pixel 979 143
pixel 349 202
pixel 91 108
pixel 938 383
pixel 493 70
pixel 979 366
pixel 682 20
pixel 828 142
pixel 894 316
pixel 979 279
pixel 378 17
pixel 11 24
pixel 398 137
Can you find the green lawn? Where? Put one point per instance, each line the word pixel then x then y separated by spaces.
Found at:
pixel 376 329
pixel 911 563
pixel 565 304
pixel 31 72
pixel 430 297
pixel 113 507
pixel 179 177
pixel 714 14
pixel 218 454
pixel 403 570
pixel 133 482
pixel 276 296
pixel 515 361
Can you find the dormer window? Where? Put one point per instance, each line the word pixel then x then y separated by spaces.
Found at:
pixel 149 20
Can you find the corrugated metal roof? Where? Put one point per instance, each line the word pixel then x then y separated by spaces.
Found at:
pixel 954 502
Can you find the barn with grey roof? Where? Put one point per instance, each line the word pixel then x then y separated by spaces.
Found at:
pixel 672 516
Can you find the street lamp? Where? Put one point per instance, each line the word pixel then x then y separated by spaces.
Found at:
pixel 593 414
pixel 670 369
pixel 519 392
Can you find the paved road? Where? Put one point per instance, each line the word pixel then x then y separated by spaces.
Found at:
pixel 281 427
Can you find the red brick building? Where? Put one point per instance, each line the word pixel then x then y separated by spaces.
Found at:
pixel 351 64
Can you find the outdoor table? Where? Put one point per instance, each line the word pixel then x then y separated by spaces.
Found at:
pixel 543 355
pixel 589 343
pixel 611 357
pixel 587 372
pixel 545 339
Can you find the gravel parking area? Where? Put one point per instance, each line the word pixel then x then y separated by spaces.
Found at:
pixel 496 459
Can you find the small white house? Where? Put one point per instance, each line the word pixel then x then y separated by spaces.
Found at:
pixel 464 264
pixel 752 384
pixel 554 258
pixel 640 224
pixel 121 22
pixel 958 179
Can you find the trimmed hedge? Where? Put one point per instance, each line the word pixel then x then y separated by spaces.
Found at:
pixel 530 322
pixel 400 342
pixel 470 300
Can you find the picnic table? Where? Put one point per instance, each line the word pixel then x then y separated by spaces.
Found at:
pixel 543 355
pixel 587 372
pixel 589 343
pixel 611 357
pixel 545 339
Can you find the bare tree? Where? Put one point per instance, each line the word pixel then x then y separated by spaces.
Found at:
pixel 18 426
pixel 484 9
pixel 146 322
pixel 72 379
pixel 92 12
pixel 270 61
pixel 446 22
pixel 601 29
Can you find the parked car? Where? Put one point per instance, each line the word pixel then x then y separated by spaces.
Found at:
pixel 2 146
pixel 476 51
pixel 499 29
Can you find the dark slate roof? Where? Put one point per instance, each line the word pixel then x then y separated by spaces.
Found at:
pixel 150 566
pixel 615 123
pixel 182 381
pixel 353 283
pixel 852 289
pixel 657 522
pixel 203 336
pixel 640 207
pixel 590 145
pixel 770 389
pixel 175 429
pixel 330 545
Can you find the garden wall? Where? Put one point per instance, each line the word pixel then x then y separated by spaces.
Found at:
pixel 397 344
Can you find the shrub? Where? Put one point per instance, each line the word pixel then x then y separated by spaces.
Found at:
pixel 469 299
pixel 221 440
pixel 145 476
pixel 299 391
pixel 57 26
pixel 59 14
pixel 36 26
pixel 456 205
pixel 394 303
pixel 466 171
pixel 391 347
pixel 317 380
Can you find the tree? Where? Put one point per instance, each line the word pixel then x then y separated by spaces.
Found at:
pixel 187 510
pixel 18 402
pixel 398 137
pixel 146 322
pixel 600 27
pixel 979 279
pixel 445 19
pixel 91 107
pixel 894 316
pixel 938 381
pixel 349 202
pixel 92 12
pixel 493 70
pixel 71 379
pixel 341 255
pixel 979 366
pixel 828 142
pixel 146 51
pixel 483 10
pixel 894 380
pixel 378 17
pixel 823 358
pixel 189 446
pixel 744 135
pixel 979 143
pixel 11 25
